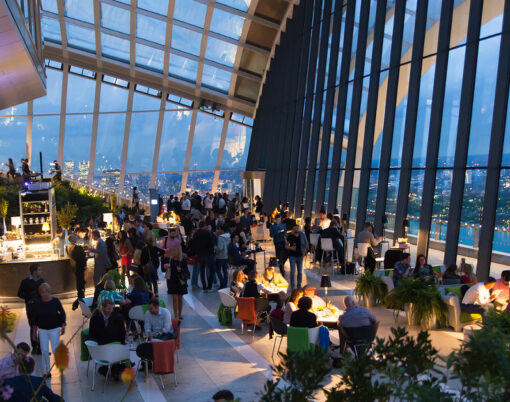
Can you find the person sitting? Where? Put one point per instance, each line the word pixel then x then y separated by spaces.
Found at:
pixel 252 289
pixel 450 276
pixel 237 285
pixel 402 268
pixel 291 305
pixel 477 299
pixel 333 233
pixel 236 258
pixel 223 396
pixel 274 285
pixel 310 292
pixel 100 287
pixel 501 290
pixel 158 321
pixel 10 365
pixel 110 293
pixel 367 236
pixel 139 295
pixel 23 385
pixel 353 317
pixel 302 317
pixel 422 269
pixel 467 274
pixel 107 325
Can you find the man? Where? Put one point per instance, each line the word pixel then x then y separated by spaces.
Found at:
pixel 237 258
pixel 208 203
pixel 501 290
pixel 25 169
pixel 25 384
pixel 10 365
pixel 158 321
pixel 185 204
pixel 296 246
pixel 402 269
pixel 477 299
pixel 246 220
pixel 101 261
pixel 277 232
pixel 367 236
pixel 134 199
pixel 324 220
pixel 353 317
pixel 223 396
pixel 29 291
pixel 78 261
pixel 171 241
pixel 170 204
pixel 274 285
pixel 107 326
pixel 309 291
pixel 333 233
pixel 57 172
pixel 222 256
pixel 203 245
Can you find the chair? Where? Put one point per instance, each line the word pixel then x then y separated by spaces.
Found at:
pixel 280 328
pixel 327 248
pixel 349 250
pixel 88 300
pixel 314 242
pixel 226 298
pixel 164 359
pixel 176 326
pixel 363 250
pixel 106 355
pixel 359 337
pixel 297 340
pixel 85 311
pixel 246 312
pixel 137 313
pixel 313 335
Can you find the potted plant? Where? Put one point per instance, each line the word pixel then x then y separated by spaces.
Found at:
pixel 420 299
pixel 371 288
pixel 65 217
pixel 4 206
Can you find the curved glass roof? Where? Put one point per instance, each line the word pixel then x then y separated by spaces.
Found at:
pixel 216 50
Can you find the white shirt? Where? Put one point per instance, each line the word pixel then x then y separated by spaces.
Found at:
pixel 318 301
pixel 162 322
pixel 325 223
pixel 208 203
pixel 477 294
pixel 186 205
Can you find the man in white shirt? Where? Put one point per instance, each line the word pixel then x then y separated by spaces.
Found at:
pixel 158 321
pixel 324 221
pixel 185 204
pixel 477 299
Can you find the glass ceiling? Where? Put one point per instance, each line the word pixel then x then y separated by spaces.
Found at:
pixel 209 44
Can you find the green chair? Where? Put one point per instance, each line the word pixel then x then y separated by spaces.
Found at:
pixel 297 340
pixel 145 307
pixel 437 270
pixel 84 355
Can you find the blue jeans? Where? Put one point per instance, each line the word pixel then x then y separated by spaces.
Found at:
pixel 222 271
pixel 152 281
pixel 293 262
pixel 208 262
pixel 194 274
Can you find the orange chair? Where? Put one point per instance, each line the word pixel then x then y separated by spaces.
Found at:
pixel 176 325
pixel 246 312
pixel 164 359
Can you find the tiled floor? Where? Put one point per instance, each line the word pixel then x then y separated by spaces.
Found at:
pixel 211 358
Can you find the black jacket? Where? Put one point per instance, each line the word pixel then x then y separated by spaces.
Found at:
pixel 78 258
pixel 103 334
pixel 203 243
pixel 28 289
pixel 303 319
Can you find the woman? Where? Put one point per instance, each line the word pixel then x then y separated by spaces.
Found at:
pixel 422 269
pixel 139 295
pixel 450 276
pixel 251 289
pixel 110 293
pixel 291 305
pixel 100 287
pixel 50 318
pixel 237 285
pixel 177 275
pixel 468 275
pixel 12 169
pixel 307 229
pixel 137 258
pixel 111 251
pixel 101 261
pixel 302 317
pixel 125 251
pixel 150 262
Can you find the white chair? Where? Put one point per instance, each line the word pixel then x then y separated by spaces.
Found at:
pixel 314 242
pixel 85 311
pixel 384 246
pixel 349 249
pixel 88 300
pixel 106 355
pixel 363 249
pixel 327 248
pixel 226 298
pixel 313 335
pixel 137 313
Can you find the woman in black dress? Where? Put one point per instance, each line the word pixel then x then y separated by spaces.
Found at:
pixel 177 275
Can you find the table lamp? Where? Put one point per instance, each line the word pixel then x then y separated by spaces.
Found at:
pixel 46 227
pixel 273 262
pixel 326 283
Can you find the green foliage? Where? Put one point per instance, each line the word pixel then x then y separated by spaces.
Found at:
pixel 117 278
pixel 498 319
pixel 88 204
pixel 369 286
pixel 10 193
pixel 423 295
pixel 4 206
pixel 298 377
pixel 66 214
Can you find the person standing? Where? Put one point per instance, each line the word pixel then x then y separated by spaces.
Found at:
pixel 57 172
pixel 177 275
pixel 78 260
pixel 12 169
pixel 101 261
pixel 222 256
pixel 25 169
pixel 277 232
pixel 50 318
pixel 29 291
pixel 135 200
pixel 203 244
pixel 297 247
pixel 149 261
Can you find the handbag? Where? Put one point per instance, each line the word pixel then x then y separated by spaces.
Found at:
pixel 183 275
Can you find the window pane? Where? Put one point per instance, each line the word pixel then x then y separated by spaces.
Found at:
pixel 391 200
pixel 206 142
pixel 113 98
pixel 220 52
pixel 242 5
pixel 110 137
pixel 157 6
pixel 51 102
pixel 441 206
pixel 372 194
pixel 191 12
pixel 414 205
pixel 216 78
pixel 149 57
pixel 183 68
pixel 115 47
pixel 107 182
pixel 78 133
pixel 227 24
pixel 82 10
pixel 45 131
pixel 80 38
pixel 230 182
pixel 168 183
pixel 150 29
pixel 80 94
pixel 501 240
pixel 483 101
pixel 186 40
pixel 17 110
pixel 174 139
pixel 506 147
pixel 145 102
pixel 237 144
pixel 50 5
pixel 13 134
pixel 200 181
pixel 142 135
pixel 50 29
pixel 142 181
pixel 115 18
pixel 494 24
pixel 472 206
